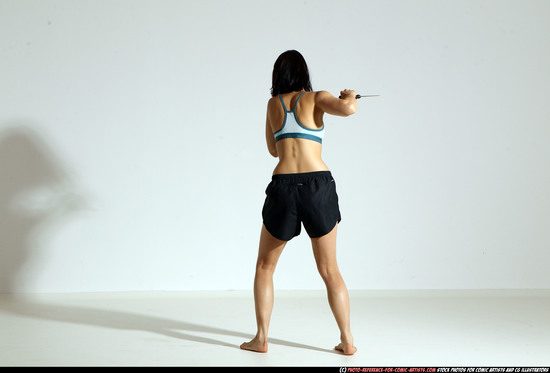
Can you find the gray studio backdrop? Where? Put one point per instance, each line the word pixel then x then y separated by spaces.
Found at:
pixel 132 152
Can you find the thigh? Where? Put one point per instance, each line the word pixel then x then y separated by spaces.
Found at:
pixel 324 250
pixel 270 249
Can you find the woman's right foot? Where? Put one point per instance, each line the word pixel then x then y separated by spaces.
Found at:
pixel 255 345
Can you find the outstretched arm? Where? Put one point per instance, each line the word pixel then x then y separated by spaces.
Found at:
pixel 345 106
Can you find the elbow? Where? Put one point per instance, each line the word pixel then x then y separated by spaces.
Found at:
pixel 273 152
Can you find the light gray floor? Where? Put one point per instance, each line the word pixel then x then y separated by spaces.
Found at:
pixel 391 328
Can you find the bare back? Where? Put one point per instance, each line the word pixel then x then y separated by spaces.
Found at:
pixel 298 155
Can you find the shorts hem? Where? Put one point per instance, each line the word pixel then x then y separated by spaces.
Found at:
pixel 276 235
pixel 330 230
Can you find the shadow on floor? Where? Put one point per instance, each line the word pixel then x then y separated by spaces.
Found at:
pixel 129 321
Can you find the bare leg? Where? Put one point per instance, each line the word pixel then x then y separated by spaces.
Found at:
pixel 268 255
pixel 324 250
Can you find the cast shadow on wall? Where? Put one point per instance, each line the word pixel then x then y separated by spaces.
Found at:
pixel 36 198
pixel 36 194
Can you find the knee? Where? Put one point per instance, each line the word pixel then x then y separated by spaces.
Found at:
pixel 329 274
pixel 264 267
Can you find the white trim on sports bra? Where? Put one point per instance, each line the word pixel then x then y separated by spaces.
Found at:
pixel 292 128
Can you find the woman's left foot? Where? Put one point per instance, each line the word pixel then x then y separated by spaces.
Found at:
pixel 346 348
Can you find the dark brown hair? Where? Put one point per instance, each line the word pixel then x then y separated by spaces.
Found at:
pixel 290 74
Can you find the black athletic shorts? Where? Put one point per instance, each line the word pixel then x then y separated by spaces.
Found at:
pixel 292 199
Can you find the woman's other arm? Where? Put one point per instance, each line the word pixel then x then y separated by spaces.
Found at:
pixel 270 139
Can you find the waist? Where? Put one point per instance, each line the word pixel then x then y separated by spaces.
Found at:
pixel 302 176
pixel 299 156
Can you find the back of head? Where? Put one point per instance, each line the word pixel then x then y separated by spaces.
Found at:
pixel 290 74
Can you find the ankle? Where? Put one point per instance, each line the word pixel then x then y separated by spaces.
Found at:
pixel 346 337
pixel 261 338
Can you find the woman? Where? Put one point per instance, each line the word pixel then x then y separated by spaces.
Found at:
pixel 302 191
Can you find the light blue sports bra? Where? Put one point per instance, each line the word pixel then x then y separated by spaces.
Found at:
pixel 292 128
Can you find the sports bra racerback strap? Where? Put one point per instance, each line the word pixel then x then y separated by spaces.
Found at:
pixel 292 128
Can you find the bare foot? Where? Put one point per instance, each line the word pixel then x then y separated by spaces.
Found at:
pixel 346 348
pixel 255 345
